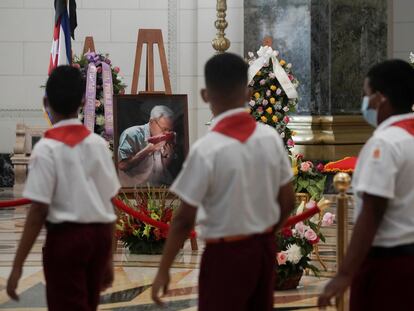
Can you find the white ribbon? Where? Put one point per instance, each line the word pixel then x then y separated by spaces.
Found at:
pixel 266 53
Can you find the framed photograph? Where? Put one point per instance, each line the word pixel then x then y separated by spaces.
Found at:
pixel 150 138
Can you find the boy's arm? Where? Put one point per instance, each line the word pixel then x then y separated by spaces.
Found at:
pixel 363 235
pixel 34 223
pixel 286 201
pixel 182 224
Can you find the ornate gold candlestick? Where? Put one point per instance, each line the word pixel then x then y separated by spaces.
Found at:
pixel 221 43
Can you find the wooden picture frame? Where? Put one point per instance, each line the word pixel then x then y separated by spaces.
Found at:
pixel 132 112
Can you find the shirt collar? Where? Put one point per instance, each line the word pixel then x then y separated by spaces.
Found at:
pixel 147 133
pixel 73 121
pixel 391 120
pixel 225 114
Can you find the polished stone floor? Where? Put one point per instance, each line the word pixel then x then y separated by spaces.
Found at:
pixel 134 274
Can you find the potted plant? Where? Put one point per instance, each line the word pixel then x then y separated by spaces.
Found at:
pixel 137 236
pixel 296 244
pixel 308 177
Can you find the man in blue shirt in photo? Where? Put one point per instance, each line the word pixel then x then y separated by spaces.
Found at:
pixel 141 162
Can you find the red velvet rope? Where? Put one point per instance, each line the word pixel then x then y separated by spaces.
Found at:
pixel 12 203
pixel 301 217
pixel 161 225
pixel 119 204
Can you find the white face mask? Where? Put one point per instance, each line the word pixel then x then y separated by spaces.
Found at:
pixel 370 115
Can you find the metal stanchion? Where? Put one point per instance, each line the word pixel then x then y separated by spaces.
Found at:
pixel 342 182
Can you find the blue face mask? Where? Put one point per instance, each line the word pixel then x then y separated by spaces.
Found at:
pixel 370 115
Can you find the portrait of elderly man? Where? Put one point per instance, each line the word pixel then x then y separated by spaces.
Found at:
pixel 145 151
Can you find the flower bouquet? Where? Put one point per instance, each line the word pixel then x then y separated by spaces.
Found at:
pixel 295 246
pixel 137 236
pixel 308 177
pixel 118 87
pixel 269 103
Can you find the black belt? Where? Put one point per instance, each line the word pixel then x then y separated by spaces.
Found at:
pixel 396 251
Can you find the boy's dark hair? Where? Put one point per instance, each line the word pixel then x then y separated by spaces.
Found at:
pixel 395 79
pixel 65 89
pixel 225 72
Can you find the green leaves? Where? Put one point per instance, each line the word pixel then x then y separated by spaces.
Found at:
pixel 310 182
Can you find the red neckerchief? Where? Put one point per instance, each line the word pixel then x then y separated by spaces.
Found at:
pixel 407 125
pixel 70 135
pixel 239 126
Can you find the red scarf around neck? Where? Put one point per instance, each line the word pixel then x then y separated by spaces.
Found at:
pixel 239 126
pixel 70 135
pixel 407 125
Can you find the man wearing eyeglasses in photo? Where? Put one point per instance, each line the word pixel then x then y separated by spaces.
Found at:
pixel 141 161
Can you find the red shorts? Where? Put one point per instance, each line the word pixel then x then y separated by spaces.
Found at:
pixel 238 275
pixel 75 258
pixel 384 283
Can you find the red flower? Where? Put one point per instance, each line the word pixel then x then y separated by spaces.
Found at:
pixel 157 234
pixel 316 241
pixel 166 218
pixel 320 167
pixel 299 156
pixel 286 232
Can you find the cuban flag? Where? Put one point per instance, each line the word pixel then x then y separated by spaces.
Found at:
pixel 65 24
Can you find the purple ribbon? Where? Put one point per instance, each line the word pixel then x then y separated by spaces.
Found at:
pixel 90 97
pixel 108 98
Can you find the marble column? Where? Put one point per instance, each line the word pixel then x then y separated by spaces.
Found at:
pixel 331 44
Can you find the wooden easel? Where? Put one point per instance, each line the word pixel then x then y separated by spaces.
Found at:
pixel 150 37
pixel 88 45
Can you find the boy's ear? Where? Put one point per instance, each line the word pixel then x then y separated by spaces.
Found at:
pixel 45 102
pixel 204 95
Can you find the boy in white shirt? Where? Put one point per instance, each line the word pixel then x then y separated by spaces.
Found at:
pixel 379 264
pixel 71 182
pixel 239 177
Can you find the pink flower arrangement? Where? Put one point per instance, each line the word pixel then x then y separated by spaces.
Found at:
pixel 290 143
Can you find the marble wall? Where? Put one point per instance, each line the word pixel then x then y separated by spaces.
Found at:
pixel 331 44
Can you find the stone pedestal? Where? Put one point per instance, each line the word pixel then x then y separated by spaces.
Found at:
pixel 329 137
pixel 331 45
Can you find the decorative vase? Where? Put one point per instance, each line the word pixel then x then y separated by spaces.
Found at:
pixel 291 282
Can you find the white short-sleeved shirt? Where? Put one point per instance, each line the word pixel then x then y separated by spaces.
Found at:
pixel 235 185
pixel 385 168
pixel 76 182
